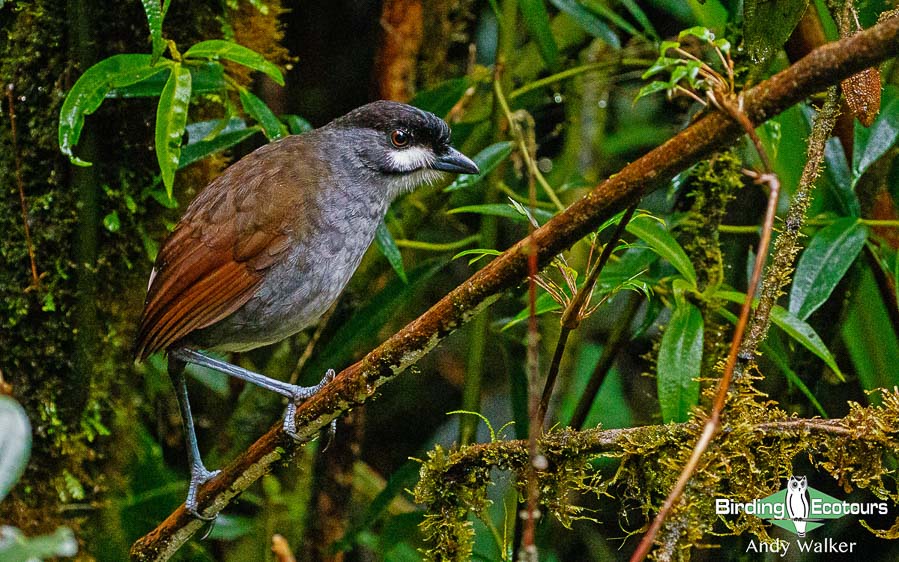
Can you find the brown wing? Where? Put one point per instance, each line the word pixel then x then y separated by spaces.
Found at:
pixel 215 259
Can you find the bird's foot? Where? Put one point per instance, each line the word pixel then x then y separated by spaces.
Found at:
pixel 302 393
pixel 198 476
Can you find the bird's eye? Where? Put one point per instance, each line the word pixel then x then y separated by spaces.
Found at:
pixel 400 138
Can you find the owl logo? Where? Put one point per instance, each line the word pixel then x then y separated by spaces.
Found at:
pixel 797 502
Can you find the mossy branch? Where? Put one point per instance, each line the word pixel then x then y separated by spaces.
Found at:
pixel 757 450
pixel 359 382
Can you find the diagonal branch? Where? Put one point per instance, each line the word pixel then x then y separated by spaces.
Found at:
pixel 359 382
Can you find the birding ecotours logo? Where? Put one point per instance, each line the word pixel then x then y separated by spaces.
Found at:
pixel 799 508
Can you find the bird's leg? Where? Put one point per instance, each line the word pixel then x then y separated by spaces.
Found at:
pixel 198 472
pixel 293 392
pixel 290 415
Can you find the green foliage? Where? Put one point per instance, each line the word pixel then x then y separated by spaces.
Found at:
pixel 537 21
pixel 767 25
pixel 873 142
pixel 387 246
pixel 679 363
pixel 120 71
pixel 171 118
pixel 824 263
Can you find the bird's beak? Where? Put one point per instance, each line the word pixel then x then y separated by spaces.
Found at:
pixel 455 162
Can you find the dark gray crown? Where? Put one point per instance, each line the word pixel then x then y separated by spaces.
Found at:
pixel 387 116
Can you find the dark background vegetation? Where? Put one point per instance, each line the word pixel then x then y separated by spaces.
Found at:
pixel 108 458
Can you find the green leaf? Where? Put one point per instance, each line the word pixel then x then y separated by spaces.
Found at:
pixel 111 222
pixel 651 88
pixel 663 63
pixel 653 233
pixel 767 25
pixel 611 15
pixel 154 20
pixel 588 21
pixel 537 21
pixel 15 443
pixel 273 128
pixel 641 17
pixel 297 125
pixel 873 142
pixel 201 149
pixel 824 263
pixel 440 99
pixel 91 88
pixel 387 245
pixel 679 363
pixel 479 252
pixel 205 78
pixel 869 337
pixel 839 179
pixel 171 118
pixel 797 329
pixel 219 49
pixel 487 161
pixel 500 210
pixel 704 34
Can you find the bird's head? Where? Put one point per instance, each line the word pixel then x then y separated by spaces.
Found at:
pixel 403 146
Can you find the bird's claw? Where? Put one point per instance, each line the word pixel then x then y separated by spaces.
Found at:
pixel 198 476
pixel 302 393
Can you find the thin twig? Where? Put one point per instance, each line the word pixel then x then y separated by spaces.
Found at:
pixel 574 313
pixel 356 384
pixel 35 277
pixel 528 551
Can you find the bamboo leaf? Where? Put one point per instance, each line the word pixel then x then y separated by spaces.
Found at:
pixel 501 210
pixel 679 363
pixel 589 21
pixel 216 49
pixel 171 118
pixel 90 90
pixel 824 263
pixel 536 19
pixel 653 233
pixel 487 161
pixel 387 245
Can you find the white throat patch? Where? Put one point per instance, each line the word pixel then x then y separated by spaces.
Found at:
pixel 411 159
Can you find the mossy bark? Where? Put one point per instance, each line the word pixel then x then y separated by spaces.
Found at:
pixel 65 344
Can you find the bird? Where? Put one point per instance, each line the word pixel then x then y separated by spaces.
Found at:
pixel 267 247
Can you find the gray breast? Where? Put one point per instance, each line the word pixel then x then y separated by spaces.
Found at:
pixel 297 291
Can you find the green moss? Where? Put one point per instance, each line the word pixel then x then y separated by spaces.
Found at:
pixel 747 460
